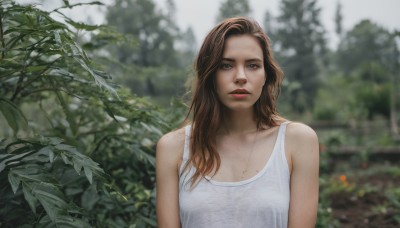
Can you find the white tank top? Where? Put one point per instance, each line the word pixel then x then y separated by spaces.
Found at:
pixel 261 201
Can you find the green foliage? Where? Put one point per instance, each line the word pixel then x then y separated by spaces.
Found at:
pixel 373 192
pixel 154 31
pixel 161 56
pixel 38 166
pixel 337 92
pixel 324 216
pixel 364 44
pixel 373 93
pixel 375 99
pixel 14 117
pixel 65 115
pixel 369 70
pixel 360 85
pixel 301 46
pixel 359 98
pixel 393 196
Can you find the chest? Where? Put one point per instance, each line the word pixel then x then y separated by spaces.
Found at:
pixel 243 158
pixel 269 193
pixel 261 200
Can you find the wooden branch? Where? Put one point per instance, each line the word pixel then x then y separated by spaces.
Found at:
pixel 376 150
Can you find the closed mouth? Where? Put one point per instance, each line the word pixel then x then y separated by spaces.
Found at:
pixel 240 91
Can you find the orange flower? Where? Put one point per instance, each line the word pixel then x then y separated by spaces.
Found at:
pixel 343 178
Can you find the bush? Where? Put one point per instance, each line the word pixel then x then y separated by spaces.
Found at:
pixel 77 151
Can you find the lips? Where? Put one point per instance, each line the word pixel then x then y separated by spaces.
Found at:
pixel 239 91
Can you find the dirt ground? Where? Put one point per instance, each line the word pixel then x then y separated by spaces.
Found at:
pixel 369 209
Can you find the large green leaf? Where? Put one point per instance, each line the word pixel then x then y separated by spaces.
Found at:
pixel 48 150
pixel 90 197
pixel 84 26
pixel 51 199
pixel 14 181
pixel 79 161
pixel 147 220
pixel 88 172
pixel 32 201
pixel 25 175
pixel 14 117
pixel 7 159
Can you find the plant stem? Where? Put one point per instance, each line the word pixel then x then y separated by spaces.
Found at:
pixel 3 45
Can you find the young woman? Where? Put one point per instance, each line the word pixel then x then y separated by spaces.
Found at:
pixel 238 163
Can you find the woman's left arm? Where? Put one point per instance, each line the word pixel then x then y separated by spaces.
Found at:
pixel 303 149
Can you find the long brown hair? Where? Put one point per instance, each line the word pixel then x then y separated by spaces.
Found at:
pixel 206 109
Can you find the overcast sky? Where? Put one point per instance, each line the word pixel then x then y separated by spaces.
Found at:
pixel 201 14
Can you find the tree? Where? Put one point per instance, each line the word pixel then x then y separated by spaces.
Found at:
pixel 157 56
pixel 153 30
pixel 270 26
pixel 301 45
pixel 187 47
pixel 233 8
pixel 369 54
pixel 364 44
pixel 339 20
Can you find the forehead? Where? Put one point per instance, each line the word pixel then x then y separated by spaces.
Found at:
pixel 242 46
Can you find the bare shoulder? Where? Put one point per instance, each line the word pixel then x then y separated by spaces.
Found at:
pixel 301 138
pixel 170 146
pixel 173 139
pixel 300 132
pixel 302 147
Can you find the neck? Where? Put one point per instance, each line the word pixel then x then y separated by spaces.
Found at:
pixel 238 122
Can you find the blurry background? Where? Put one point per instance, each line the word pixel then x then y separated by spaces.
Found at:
pixel 341 63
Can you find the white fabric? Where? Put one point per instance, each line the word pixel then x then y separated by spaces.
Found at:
pixel 261 201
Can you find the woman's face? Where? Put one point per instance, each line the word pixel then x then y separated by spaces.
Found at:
pixel 241 75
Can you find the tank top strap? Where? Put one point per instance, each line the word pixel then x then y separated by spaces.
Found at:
pixel 186 153
pixel 186 148
pixel 281 133
pixel 281 143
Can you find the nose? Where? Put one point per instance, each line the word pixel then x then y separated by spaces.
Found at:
pixel 240 76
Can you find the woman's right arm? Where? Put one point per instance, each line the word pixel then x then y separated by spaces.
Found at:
pixel 168 155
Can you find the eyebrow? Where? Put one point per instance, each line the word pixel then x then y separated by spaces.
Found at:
pixel 247 60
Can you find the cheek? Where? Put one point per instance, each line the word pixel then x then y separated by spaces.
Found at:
pixel 262 78
pixel 218 86
pixel 219 82
pixel 262 83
